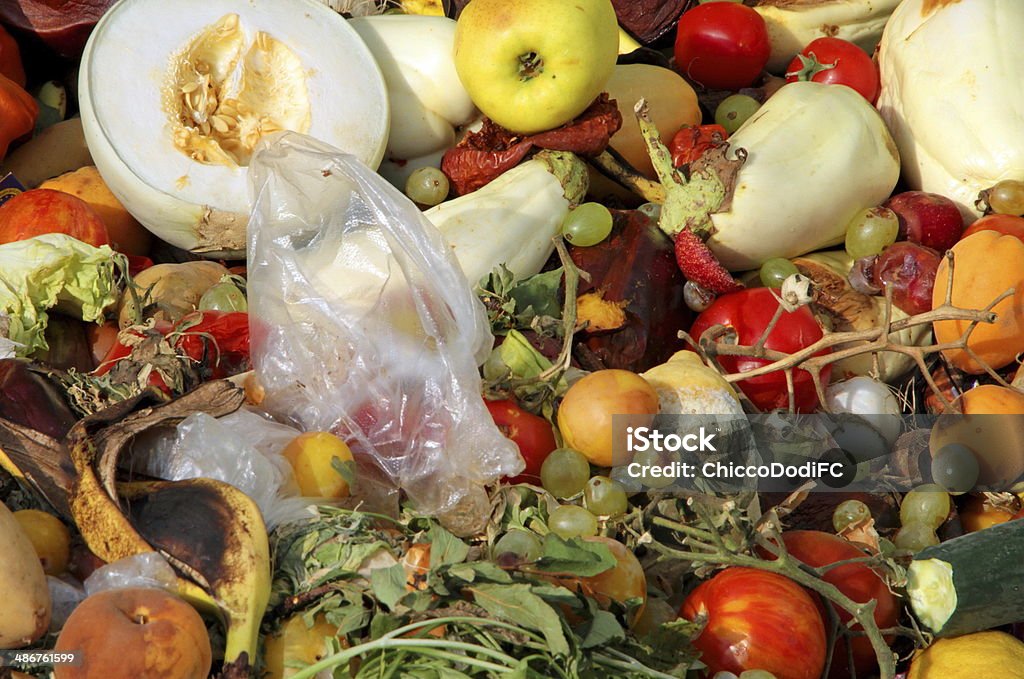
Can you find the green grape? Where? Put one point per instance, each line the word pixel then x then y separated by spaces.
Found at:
pixel 605 497
pixel 522 544
pixel 776 270
pixel 849 512
pixel 1007 197
pixel 757 674
pixel 955 468
pixel 224 296
pixel 564 472
pixel 427 186
pixel 652 210
pixel 656 612
pixel 571 521
pixel 928 504
pixel 871 231
pixel 915 536
pixel 735 110
pixel 647 459
pixel 588 224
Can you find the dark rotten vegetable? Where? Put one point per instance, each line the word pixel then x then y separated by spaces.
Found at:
pixel 633 302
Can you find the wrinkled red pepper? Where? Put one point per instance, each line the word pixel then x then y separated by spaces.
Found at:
pixel 689 143
pixel 217 340
pixel 483 156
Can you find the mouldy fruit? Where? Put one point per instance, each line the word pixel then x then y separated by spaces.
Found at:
pixel 172 120
pixel 132 633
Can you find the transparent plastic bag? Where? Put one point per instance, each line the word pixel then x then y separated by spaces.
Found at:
pixel 242 448
pixel 149 569
pixel 364 325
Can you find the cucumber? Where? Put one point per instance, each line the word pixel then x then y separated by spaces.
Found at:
pixel 970 583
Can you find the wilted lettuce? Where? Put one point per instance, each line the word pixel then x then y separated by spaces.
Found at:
pixel 58 272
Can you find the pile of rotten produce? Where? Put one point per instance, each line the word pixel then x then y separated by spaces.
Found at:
pixel 633 209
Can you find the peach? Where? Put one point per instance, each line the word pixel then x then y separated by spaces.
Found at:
pixel 40 211
pixel 132 633
pixel 126 234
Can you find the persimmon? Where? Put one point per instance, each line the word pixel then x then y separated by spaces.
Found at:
pixel 986 264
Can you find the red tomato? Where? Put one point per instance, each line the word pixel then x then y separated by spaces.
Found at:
pixel 857 581
pixel 1005 224
pixel 722 45
pixel 689 143
pixel 757 621
pixel 749 312
pixel 835 61
pixel 532 433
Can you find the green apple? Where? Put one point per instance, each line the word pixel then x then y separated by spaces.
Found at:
pixel 532 65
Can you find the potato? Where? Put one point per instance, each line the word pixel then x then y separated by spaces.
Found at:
pixel 25 605
pixel 58 149
pixel 173 290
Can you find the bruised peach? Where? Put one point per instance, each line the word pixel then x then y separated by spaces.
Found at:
pixel 132 633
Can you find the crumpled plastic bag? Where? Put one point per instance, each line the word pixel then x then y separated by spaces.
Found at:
pixel 364 325
pixel 242 448
pixel 148 569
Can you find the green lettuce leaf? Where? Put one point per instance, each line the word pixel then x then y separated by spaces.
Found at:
pixel 58 272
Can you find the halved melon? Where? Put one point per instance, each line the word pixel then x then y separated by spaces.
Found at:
pixel 175 95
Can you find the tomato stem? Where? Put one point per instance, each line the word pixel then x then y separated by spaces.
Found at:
pixel 786 565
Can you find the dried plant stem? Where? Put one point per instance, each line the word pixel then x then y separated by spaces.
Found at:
pixel 874 341
pixel 785 565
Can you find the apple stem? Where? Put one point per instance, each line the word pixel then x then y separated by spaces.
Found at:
pixel 531 65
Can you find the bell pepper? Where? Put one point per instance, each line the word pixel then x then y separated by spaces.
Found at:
pixel 10 59
pixel 18 111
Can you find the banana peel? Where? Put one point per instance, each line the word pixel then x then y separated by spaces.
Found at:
pixel 210 532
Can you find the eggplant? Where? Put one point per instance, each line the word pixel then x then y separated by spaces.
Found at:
pixel 633 302
pixel 29 399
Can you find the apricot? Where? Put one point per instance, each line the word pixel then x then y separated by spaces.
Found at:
pixel 132 633
pixel 585 416
pixel 296 642
pixel 126 234
pixel 992 426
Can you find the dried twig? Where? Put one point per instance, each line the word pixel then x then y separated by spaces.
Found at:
pixel 874 341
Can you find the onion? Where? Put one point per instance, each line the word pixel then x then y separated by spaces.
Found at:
pixel 868 399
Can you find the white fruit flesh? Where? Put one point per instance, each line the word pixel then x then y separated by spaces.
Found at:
pixel 177 159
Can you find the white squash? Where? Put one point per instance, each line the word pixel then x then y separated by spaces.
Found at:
pixel 514 219
pixel 816 155
pixel 952 72
pixel 792 24
pixel 428 101
pixel 153 73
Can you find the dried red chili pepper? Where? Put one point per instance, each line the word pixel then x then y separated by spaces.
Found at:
pixel 483 156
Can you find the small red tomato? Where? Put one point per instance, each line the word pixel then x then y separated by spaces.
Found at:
pixel 835 61
pixel 857 581
pixel 689 143
pixel 749 313
pixel 532 433
pixel 757 621
pixel 1005 224
pixel 722 45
